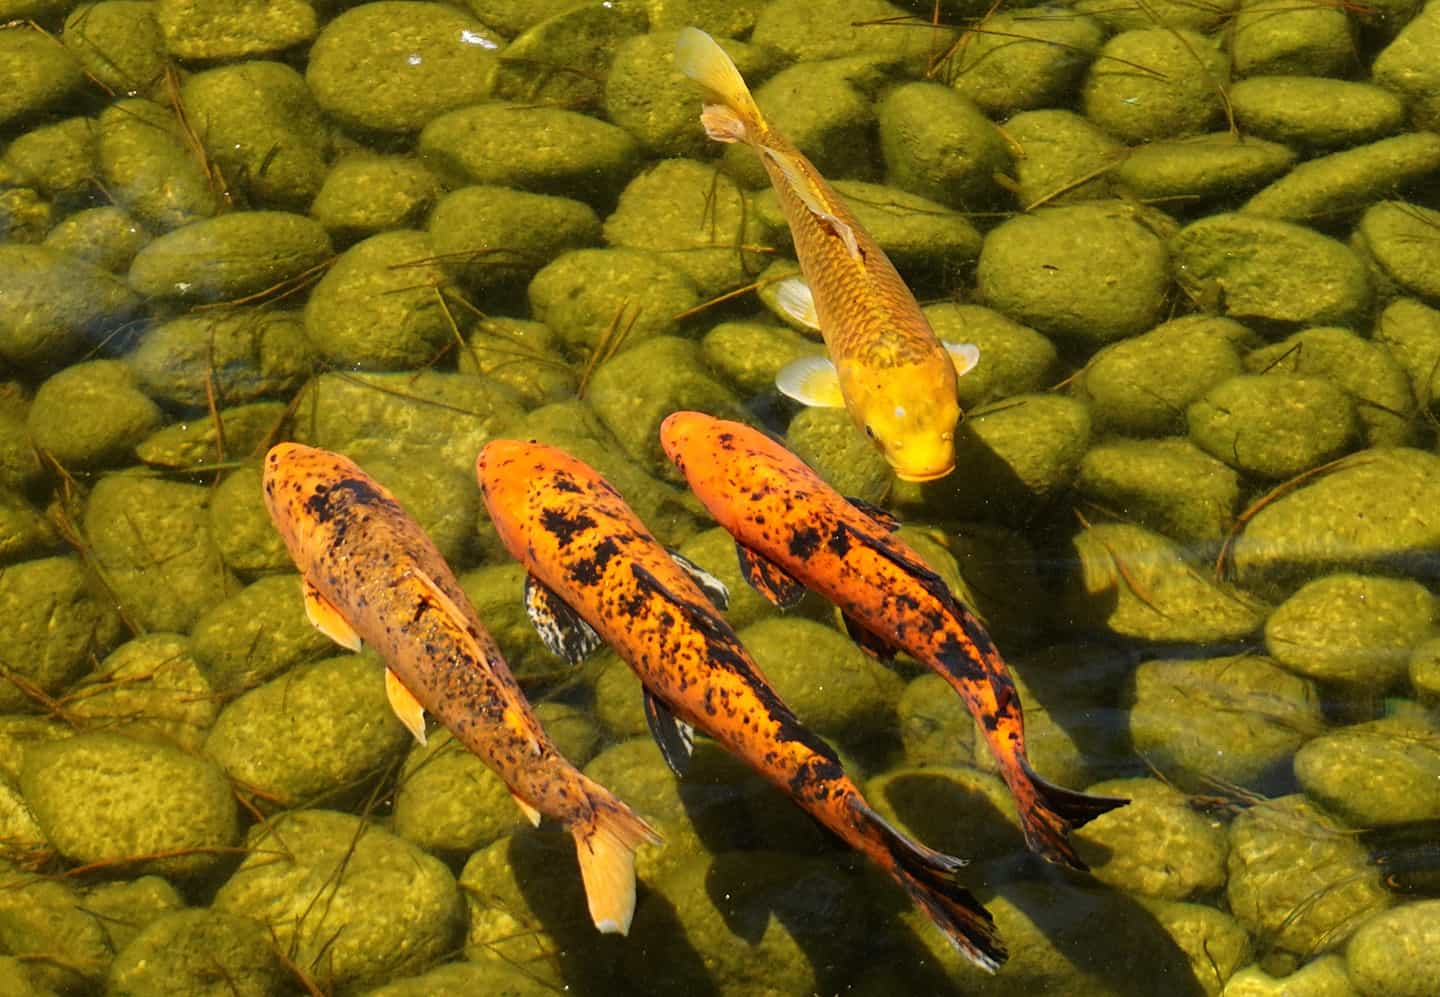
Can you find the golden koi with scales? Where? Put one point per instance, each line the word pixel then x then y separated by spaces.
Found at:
pixel 371 574
pixel 596 574
pixel 886 365
pixel 793 532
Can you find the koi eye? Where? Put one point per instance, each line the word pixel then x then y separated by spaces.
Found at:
pixel 869 432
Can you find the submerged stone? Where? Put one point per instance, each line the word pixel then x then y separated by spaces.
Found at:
pixel 363 194
pixel 1315 111
pixel 1375 774
pixel 106 237
pixel 1019 61
pixel 1203 168
pixel 241 526
pixel 92 415
pixel 937 143
pixel 449 802
pixel 226 29
pixel 750 354
pixel 242 355
pixel 811 30
pixel 57 943
pixel 580 41
pixel 1168 485
pixel 39 74
pixel 232 256
pixel 488 236
pixel 1014 359
pixel 182 954
pixel 148 168
pixel 256 634
pixel 1296 41
pixel 1067 159
pixel 1322 977
pixel 1397 953
pixel 150 689
pixel 127 908
pixel 1176 96
pixel 1345 183
pixel 1410 332
pixel 58 158
pixel 240 430
pixel 828 440
pixel 1407 66
pixel 52 306
pixel 1273 425
pixel 119 43
pixel 1397 236
pixel 1157 845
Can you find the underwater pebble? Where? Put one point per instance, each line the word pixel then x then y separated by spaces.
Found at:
pixel 21 839
pixel 1178 94
pixel 53 624
pixel 241 430
pixel 150 689
pixel 750 354
pixel 828 440
pixel 812 30
pixel 523 356
pixel 239 354
pixel 106 237
pixel 25 531
pixel 148 169
pixel 183 953
pixel 1322 977
pixel 449 802
pixel 956 809
pixel 20 467
pixel 1066 158
pixel 125 909
pixel 92 415
pixel 1296 41
pixel 58 943
pixel 584 293
pixel 1234 720
pixel 1020 60
pixel 1410 332
pixel 363 194
pixel 119 43
pixel 726 18
pixel 25 217
pixel 1314 111
pixel 1203 168
pixel 1169 486
pixel 1397 953
pixel 106 798
pixel 937 143
pixel 256 634
pixel 248 541
pixel 232 256
pixel 488 236
pixel 1175 13
pixel 17 733
pixel 582 40
pixel 52 306
pixel 1014 359
pixel 227 29
pixel 58 158
pixel 36 74
pixel 490 975
pixel 1157 846
pixel 1351 629
pixel 342 894
pixel 1375 774
pixel 1273 425
pixel 1346 182
pixel 1398 237
pixel 1425 670
pixel 934 726
pixel 1091 272
pixel 1407 67
pixel 1214 942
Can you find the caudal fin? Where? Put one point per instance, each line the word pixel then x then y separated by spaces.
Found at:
pixel 730 112
pixel 605 845
pixel 1051 812
pixel 932 879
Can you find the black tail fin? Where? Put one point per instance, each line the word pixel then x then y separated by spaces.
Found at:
pixel 932 880
pixel 1053 812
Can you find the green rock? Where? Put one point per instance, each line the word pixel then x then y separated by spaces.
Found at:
pixel 1397 953
pixel 1174 13
pixel 57 158
pixel 1395 236
pixel 57 941
pixel 106 237
pixel 580 42
pixel 240 354
pixel 313 733
pixel 1295 41
pixel 52 625
pixel 1157 845
pixel 124 909
pixel 1067 159
pixel 633 392
pixel 955 809
pixel 17 734
pixel 190 953
pixel 256 634
pixel 225 29
pixel 498 143
pixel 828 440
pixel 1232 721
pixel 1351 629
pixel 488 236
pixel 21 839
pixel 1345 183
pixel 1315 112
pixel 92 415
pixel 25 532
pixel 248 540
pixel 933 724
pixel 593 298
pixel 750 354
pixel 722 18
pixel 52 306
pixel 1213 941
pixel 1014 359
pixel 1091 272
pixel 573 729
pixel 262 127
pixel 235 255
pixel 119 44
pixel 1375 774
pixel 1019 62
pixel 1410 331
pixel 523 356
pixel 1322 977
pixel 1425 670
pixel 1203 168
pixel 349 902
pixel 1169 486
pixel 1260 268
pixel 1000 583
pixel 363 194
pixel 148 168
pixel 714 550
pixel 241 430
pixel 449 802
pixel 489 976
pixel 151 689
pixel 20 468
pixel 1274 426
pixel 38 73
pixel 695 218
pixel 1177 95
pixel 151 542
pixel 1298 879
pixel 141 807
pixel 938 143
pixel 811 30
pixel 25 217
pixel 1407 66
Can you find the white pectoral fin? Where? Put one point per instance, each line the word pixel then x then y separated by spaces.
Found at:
pixel 795 177
pixel 531 814
pixel 321 612
pixel 811 381
pixel 964 356
pixel 721 123
pixel 794 298
pixel 405 705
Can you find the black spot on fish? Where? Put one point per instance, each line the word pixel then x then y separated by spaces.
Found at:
pixel 959 659
pixel 813 772
pixel 564 528
pixel 804 542
pixel 839 542
pixel 585 571
pixel 328 501
pixel 564 483
pixel 604 551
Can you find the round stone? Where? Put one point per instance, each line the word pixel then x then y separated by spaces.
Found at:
pixel 1376 774
pixel 53 624
pixel 92 415
pixel 182 953
pixel 1157 845
pixel 1397 953
pixel 490 236
pixel 235 255
pixel 1176 95
pixel 1273 425
pixel 939 144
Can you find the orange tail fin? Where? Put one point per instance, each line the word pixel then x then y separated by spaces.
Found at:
pixel 605 845
pixel 1049 813
pixel 932 880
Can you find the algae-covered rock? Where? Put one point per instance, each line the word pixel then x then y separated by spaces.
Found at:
pixel 1174 13
pixel 1236 720
pixel 1142 386
pixel 1397 953
pixel 235 255
pixel 1295 41
pixel 933 724
pixel 53 305
pixel 1375 774
pixel 1213 941
pixel 151 540
pixel 750 354
pixel 1019 61
pixel 348 901
pixel 1351 629
pixel 141 806
pixel 21 839
pixel 56 158
pixel 395 66
pixel 119 43
pixel 1169 486
pixel 1014 359
pixel 810 30
pixel 255 635
pixel 1157 845
pixel 1299 880
pixel 590 296
pixel 1261 268
pixel 1066 159
pixel 1203 168
pixel 1407 67
pixel 127 908
pixel 107 237
pixel 226 29
pixel 491 975
pixel 378 307
pixel 952 808
pixel 149 170
pixel 92 415
pixel 1410 331
pixel 1177 95
pixel 1344 183
pixel 488 235
pixel 150 688
pixel 1273 425
pixel 828 440
pixel 239 355
pixel 315 731
pixel 544 149
pixel 17 733
pixel 1425 670
pixel 248 540
pixel 25 531
pixel 199 952
pixel 1315 111
pixel 363 194
pixel 52 625
pixel 581 41
pixel 937 143
pixel 1396 236
pixel 39 73
pixel 239 430
pixel 57 942
pixel 1322 977
pixel 449 802
pixel 1092 272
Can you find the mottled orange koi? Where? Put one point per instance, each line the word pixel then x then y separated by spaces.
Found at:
pixel 371 574
pixel 597 574
pixel 794 532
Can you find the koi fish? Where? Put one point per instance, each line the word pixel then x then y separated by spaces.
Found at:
pixel 370 573
pixel 885 365
pixel 794 532
pixel 597 575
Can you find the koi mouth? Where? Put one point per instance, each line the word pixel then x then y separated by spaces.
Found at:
pixel 924 476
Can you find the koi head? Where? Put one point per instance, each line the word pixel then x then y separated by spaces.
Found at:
pixel 911 420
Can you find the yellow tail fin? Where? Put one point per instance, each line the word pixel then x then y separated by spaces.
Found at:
pixel 606 845
pixel 700 57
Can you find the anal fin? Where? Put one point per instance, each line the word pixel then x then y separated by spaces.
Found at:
pixel 321 612
pixel 405 705
pixel 531 814
pixel 768 578
pixel 713 587
pixel 675 737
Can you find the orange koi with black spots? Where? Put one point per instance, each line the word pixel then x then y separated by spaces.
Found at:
pixel 596 574
pixel 794 532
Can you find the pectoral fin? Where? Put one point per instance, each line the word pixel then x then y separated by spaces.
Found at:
pixel 327 619
pixel 562 630
pixel 405 705
pixel 768 578
pixel 794 298
pixel 713 587
pixel 964 356
pixel 789 166
pixel 675 737
pixel 811 381
pixel 531 814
